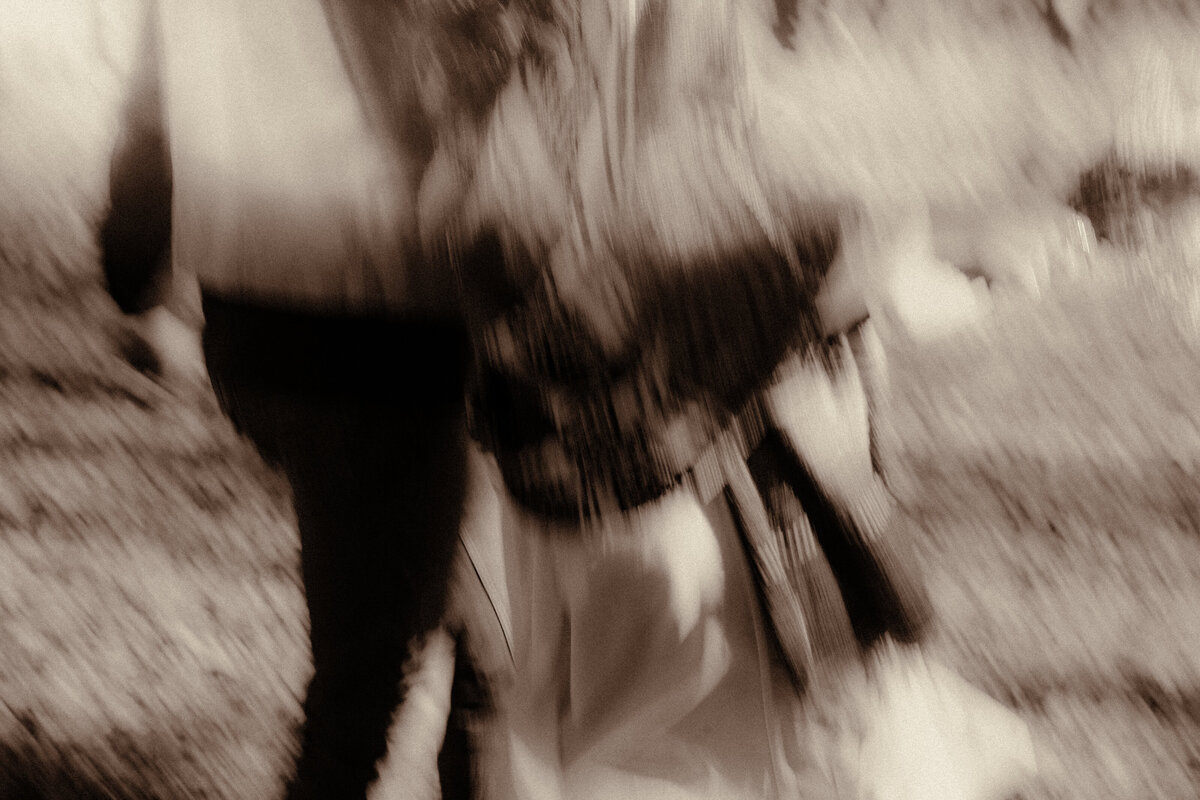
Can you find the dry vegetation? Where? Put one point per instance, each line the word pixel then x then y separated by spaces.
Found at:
pixel 153 627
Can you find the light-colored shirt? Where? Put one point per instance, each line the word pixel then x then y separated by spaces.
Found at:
pixel 283 191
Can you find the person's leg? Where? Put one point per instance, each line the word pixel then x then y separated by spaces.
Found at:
pixel 470 703
pixel 378 502
pixel 823 452
pixel 378 478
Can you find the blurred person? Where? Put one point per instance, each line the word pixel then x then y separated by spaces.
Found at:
pixel 263 155
pixel 663 402
pixel 684 211
pixel 684 205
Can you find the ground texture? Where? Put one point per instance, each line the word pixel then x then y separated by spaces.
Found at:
pixel 152 627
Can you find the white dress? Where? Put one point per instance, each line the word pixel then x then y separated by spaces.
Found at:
pixel 642 665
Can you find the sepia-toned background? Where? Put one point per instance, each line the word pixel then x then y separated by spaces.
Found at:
pixel 151 620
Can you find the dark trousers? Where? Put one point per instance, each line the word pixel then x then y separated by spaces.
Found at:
pixel 365 417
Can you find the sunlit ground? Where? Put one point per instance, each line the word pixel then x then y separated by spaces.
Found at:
pixel 152 625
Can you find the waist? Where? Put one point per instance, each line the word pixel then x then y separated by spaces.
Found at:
pixel 330 291
pixel 569 487
pixel 570 463
pixel 319 266
pixel 312 237
pixel 409 358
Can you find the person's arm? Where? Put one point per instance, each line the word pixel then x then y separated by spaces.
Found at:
pixel 135 234
pixel 841 302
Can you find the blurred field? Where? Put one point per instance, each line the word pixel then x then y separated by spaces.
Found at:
pixel 1048 468
pixel 152 626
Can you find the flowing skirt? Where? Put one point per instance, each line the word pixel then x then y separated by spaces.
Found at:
pixel 643 665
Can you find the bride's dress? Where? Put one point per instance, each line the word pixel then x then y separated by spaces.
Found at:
pixel 643 665
pixel 673 276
